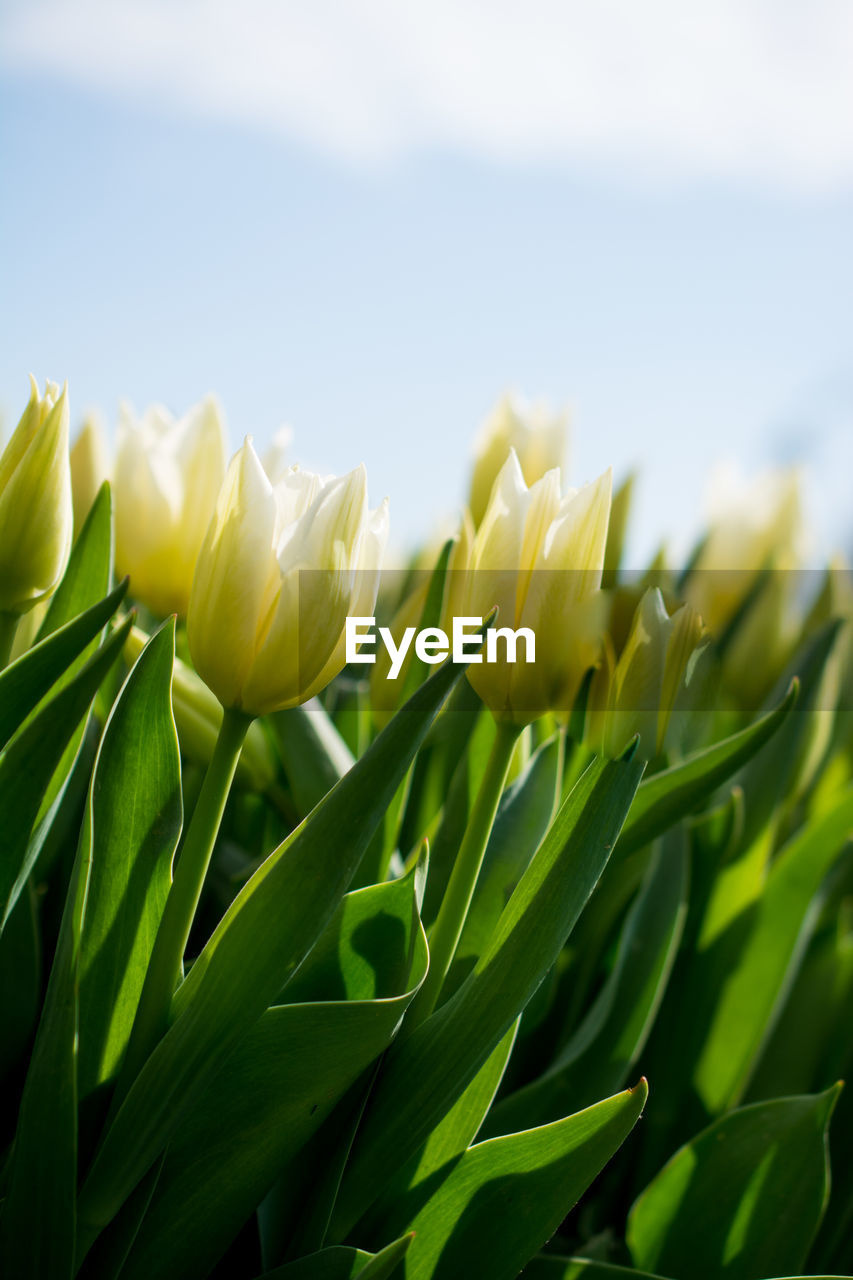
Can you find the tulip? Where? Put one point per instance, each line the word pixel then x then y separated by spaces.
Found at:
pixel 89 467
pixel 167 477
pixel 280 569
pixel 639 694
pixel 537 435
pixel 539 557
pixel 753 527
pixel 35 506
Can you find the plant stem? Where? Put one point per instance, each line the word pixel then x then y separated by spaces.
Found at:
pixel 166 964
pixel 453 912
pixel 8 631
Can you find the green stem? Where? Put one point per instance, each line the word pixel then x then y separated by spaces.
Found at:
pixel 166 964
pixel 453 911
pixel 8 631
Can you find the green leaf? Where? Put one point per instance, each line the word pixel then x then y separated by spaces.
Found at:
pixel 283 1082
pixel 752 994
pixel 666 797
pixel 774 777
pixel 25 682
pixel 601 1052
pixel 448 1141
pixel 341 1263
pixel 522 821
pixel 136 821
pixel 425 1071
pixel 258 945
pixel 38 1225
pixel 90 567
pixel 508 1195
pixel 743 1199
pixel 29 761
pixel 461 795
pixel 314 755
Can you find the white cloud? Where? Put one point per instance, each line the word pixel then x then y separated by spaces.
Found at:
pixel 754 89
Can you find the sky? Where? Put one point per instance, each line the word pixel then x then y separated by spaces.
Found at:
pixel 369 218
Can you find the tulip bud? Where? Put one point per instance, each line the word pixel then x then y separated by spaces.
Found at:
pixel 35 502
pixel 280 569
pixel 539 558
pixel 637 694
pixel 167 477
pixel 537 435
pixel 89 467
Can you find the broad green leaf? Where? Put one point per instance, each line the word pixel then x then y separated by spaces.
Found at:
pixel 425 1071
pixel 813 1037
pixel 753 994
pixel 87 578
pixel 774 777
pixel 462 792
pixel 601 1052
pixel 283 1081
pixel 508 1195
pixel 670 795
pixel 38 1224
pixel 741 1201
pixel 29 761
pixel 25 682
pixel 136 821
pixel 448 1141
pixel 342 1263
pixel 258 945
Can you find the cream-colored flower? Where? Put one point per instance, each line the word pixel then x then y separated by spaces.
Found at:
pixel 535 432
pixel 167 477
pixel 281 568
pixel 539 557
pixel 36 518
pixel 637 694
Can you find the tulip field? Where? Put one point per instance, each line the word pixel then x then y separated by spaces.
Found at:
pixel 487 914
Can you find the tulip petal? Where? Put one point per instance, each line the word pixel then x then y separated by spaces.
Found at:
pixel 232 579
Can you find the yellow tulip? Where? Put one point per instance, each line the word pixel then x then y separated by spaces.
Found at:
pixel 168 474
pixel 753 526
pixel 538 557
pixel 89 466
pixel 637 694
pixel 537 435
pixel 35 502
pixel 280 569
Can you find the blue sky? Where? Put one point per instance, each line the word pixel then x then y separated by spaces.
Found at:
pixel 687 291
